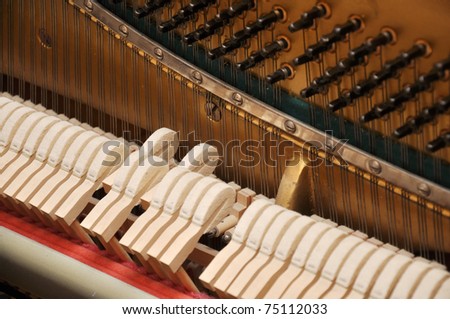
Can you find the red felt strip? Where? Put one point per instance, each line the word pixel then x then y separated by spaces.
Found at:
pixel 92 256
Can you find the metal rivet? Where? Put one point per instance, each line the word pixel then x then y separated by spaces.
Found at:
pixel 330 145
pixel 159 53
pixel 213 112
pixel 123 28
pixel 237 97
pixel 424 189
pixel 375 167
pixel 290 126
pixel 89 5
pixel 197 77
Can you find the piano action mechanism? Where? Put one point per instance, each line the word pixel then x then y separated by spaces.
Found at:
pixel 243 149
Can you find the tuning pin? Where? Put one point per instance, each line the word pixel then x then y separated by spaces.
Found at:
pixel 267 52
pixel 222 19
pixel 185 14
pixel 341 102
pixel 423 83
pixel 427 115
pixel 439 143
pixel 307 18
pixel 341 31
pixel 326 42
pixel 355 58
pixel 150 7
pixel 280 74
pixel 240 7
pixel 249 31
pixel 389 70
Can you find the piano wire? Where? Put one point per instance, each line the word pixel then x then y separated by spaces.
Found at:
pixel 89 71
pixel 406 218
pixel 317 189
pixel 21 52
pixel 172 100
pixel 137 64
pixel 374 198
pixel 160 75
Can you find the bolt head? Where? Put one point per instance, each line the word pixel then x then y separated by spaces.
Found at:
pixel 290 126
pixel 238 99
pixel 89 5
pixel 197 77
pixel 375 167
pixel 159 53
pixel 123 28
pixel 424 189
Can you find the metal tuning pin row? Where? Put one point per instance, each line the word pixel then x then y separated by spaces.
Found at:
pixel 426 115
pixel 355 57
pixel 396 101
pixel 222 19
pixel 389 70
pixel 150 7
pixel 267 52
pixel 250 30
pixel 325 43
pixel 185 14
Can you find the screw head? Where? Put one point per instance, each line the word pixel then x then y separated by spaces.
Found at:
pixel 124 29
pixel 375 167
pixel 197 77
pixel 89 5
pixel 424 189
pixel 290 126
pixel 158 53
pixel 238 99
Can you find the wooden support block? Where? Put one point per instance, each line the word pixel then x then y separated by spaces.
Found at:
pixel 389 276
pixel 350 270
pixel 443 291
pixel 411 278
pixel 24 192
pixel 138 237
pixel 249 251
pixel 7 110
pixel 216 205
pixel 315 263
pixel 298 261
pixel 171 210
pixel 101 166
pixel 283 253
pixel 64 172
pixel 17 140
pixel 370 272
pixel 145 177
pixel 203 255
pixel 332 267
pixel 180 224
pixel 245 196
pixel 77 177
pixel 30 146
pixel 11 125
pixel 202 159
pixel 430 284
pixel 265 254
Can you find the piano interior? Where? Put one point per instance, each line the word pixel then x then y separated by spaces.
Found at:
pixel 236 149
